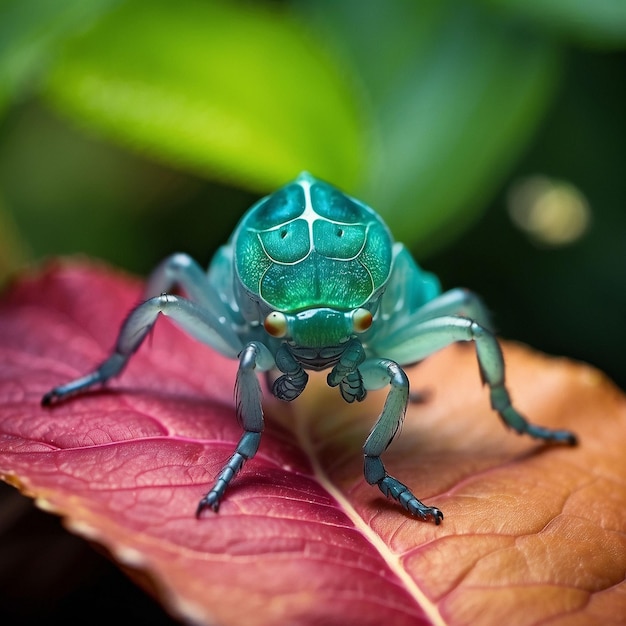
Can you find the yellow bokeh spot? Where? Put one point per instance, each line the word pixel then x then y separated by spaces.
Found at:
pixel 551 212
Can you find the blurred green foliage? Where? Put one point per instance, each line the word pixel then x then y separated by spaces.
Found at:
pixel 134 128
pixel 30 33
pixel 224 89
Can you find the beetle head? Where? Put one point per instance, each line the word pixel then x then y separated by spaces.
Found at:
pixel 319 327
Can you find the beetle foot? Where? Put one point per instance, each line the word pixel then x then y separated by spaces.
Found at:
pixel 210 500
pixel 247 447
pixel 555 436
pixel 51 397
pixel 500 402
pixel 393 488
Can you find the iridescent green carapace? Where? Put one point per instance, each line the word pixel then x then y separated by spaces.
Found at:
pixel 309 245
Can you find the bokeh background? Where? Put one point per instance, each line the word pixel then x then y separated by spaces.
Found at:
pixel 490 134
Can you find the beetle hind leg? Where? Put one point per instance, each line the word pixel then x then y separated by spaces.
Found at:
pixel 198 322
pixel 491 364
pixel 107 370
pixel 415 341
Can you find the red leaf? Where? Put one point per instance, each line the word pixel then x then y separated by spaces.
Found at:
pixel 531 533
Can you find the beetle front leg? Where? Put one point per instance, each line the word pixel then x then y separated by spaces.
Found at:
pixel 294 379
pixel 250 415
pixel 346 373
pixel 383 433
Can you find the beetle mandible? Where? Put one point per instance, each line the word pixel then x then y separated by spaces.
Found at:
pixel 311 279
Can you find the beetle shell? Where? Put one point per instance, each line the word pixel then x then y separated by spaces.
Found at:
pixel 309 245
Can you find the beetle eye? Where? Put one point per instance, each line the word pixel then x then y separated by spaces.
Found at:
pixel 361 320
pixel 275 324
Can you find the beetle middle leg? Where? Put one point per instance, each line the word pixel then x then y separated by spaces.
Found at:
pixel 376 373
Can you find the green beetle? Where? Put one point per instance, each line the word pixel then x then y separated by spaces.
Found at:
pixel 311 280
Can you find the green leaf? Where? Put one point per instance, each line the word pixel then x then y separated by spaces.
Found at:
pixel 31 30
pixel 596 22
pixel 232 90
pixel 456 93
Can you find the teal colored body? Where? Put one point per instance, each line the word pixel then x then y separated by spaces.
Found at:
pixel 316 255
pixel 312 280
